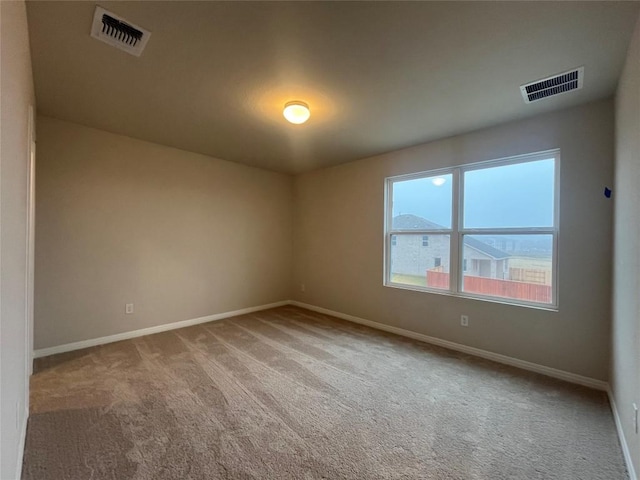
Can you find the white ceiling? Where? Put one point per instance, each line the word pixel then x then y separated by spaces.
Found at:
pixel 378 76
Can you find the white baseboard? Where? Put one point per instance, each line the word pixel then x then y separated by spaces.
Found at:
pixel 21 444
pixel 621 437
pixel 496 357
pixel 69 347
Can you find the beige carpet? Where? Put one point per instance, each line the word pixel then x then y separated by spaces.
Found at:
pixel 291 394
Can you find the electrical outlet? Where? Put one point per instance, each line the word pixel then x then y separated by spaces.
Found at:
pixel 635 418
pixel 302 288
pixel 464 320
pixel 128 308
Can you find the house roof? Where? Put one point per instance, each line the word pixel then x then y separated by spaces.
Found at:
pixel 413 222
pixel 484 248
pixel 409 221
pixel 378 76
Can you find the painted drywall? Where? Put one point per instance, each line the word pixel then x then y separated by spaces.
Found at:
pixel 625 360
pixel 16 85
pixel 180 235
pixel 338 244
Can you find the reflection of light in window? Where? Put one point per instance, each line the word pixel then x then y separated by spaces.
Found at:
pixel 438 181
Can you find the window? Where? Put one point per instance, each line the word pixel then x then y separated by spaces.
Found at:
pixel 487 230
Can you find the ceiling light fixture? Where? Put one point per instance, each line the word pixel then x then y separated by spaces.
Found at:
pixel 296 112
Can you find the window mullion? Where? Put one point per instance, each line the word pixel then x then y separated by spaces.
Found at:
pixel 454 253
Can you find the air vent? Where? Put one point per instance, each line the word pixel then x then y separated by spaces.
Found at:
pixel 117 32
pixel 551 86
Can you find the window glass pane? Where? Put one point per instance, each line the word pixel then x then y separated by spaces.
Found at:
pixel 422 203
pixel 518 267
pixel 418 265
pixel 519 195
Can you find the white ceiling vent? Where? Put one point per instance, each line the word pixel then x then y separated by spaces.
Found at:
pixel 117 32
pixel 551 86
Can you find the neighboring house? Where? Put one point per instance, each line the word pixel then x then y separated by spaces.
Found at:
pixel 482 260
pixel 414 254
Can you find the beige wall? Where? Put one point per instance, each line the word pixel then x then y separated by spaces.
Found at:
pixel 179 235
pixel 625 371
pixel 338 243
pixel 16 87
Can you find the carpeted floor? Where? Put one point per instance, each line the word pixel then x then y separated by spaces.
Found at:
pixel 291 394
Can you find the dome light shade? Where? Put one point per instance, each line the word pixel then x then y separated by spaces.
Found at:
pixel 296 112
pixel 439 181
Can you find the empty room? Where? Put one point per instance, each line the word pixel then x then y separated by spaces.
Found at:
pixel 319 240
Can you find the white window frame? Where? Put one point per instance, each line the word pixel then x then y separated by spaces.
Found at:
pixel 457 232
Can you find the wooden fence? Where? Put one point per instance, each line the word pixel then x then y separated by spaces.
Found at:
pixel 436 279
pixel 529 275
pixel 533 292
